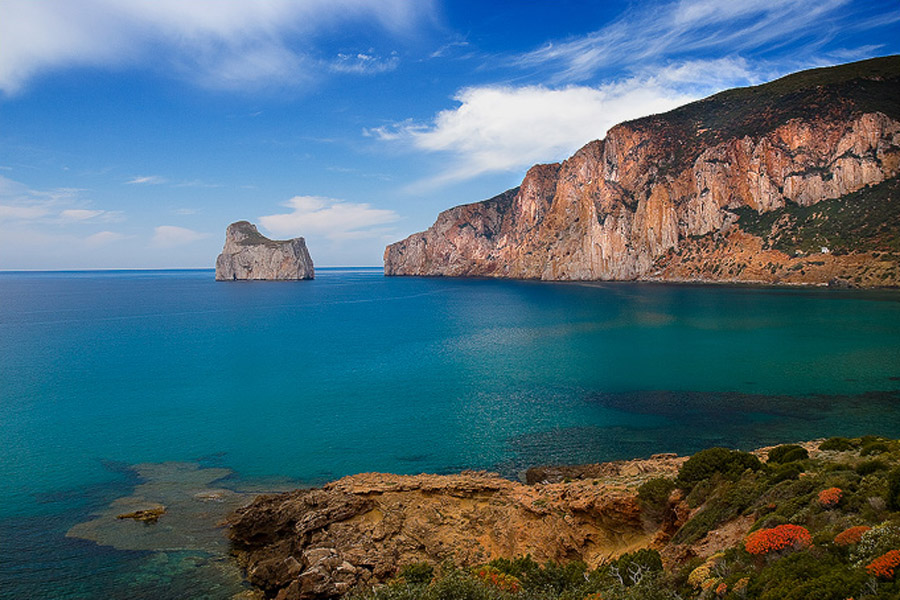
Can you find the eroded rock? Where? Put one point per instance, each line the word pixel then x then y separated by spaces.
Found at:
pixel 250 255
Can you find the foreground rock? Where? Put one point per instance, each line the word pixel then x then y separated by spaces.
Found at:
pixel 791 182
pixel 320 543
pixel 250 255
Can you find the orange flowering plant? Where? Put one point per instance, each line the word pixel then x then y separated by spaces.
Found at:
pixel 778 538
pixel 884 567
pixel 830 497
pixel 851 536
pixel 498 579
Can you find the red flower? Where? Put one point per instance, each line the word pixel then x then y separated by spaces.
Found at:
pixel 829 498
pixel 883 567
pixel 850 536
pixel 778 538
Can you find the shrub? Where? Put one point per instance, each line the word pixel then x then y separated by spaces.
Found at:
pixel 653 496
pixel 787 453
pixel 893 491
pixel 807 576
pixel 837 444
pixel 875 542
pixel 778 538
pixel 786 472
pixel 830 497
pixel 885 565
pixel 634 566
pixel 850 536
pixel 417 573
pixel 731 464
pixel 873 448
pixel 870 466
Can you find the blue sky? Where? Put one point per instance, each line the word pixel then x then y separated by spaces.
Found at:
pixel 133 131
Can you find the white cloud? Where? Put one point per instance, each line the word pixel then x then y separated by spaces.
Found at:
pixel 335 219
pixel 214 43
pixel 80 214
pixel 168 236
pixel 652 33
pixel 364 64
pixel 503 128
pixel 147 180
pixel 16 213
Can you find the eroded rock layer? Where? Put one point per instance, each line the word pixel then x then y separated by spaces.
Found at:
pixel 319 543
pixel 250 255
pixel 629 206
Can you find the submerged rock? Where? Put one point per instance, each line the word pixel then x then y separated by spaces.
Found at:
pixel 250 255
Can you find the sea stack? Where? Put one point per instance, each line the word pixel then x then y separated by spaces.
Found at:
pixel 250 255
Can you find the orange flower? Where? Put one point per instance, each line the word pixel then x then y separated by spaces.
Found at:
pixel 850 536
pixel 884 566
pixel 778 538
pixel 721 589
pixel 829 498
pixel 498 579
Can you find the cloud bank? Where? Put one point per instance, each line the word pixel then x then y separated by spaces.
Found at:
pixel 213 43
pixel 333 219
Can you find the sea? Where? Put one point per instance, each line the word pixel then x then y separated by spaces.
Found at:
pixel 123 389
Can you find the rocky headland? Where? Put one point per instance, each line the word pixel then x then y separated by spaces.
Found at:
pixel 791 182
pixel 320 543
pixel 666 516
pixel 250 255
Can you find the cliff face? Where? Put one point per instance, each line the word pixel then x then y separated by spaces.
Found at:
pixel 628 206
pixel 320 543
pixel 250 255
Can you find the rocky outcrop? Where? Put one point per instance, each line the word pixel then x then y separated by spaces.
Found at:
pixel 250 255
pixel 319 543
pixel 626 207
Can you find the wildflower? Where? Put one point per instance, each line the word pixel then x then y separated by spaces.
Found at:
pixel 830 497
pixel 851 536
pixel 778 538
pixel 885 565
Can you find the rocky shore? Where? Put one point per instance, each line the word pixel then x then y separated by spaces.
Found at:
pixel 320 543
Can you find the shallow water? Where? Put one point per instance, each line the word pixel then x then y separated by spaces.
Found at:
pixel 302 382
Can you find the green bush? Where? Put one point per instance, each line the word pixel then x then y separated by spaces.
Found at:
pixel 730 464
pixel 837 444
pixel 653 496
pixel 870 466
pixel 787 453
pixel 786 472
pixel 549 577
pixel 633 567
pixel 873 448
pixel 893 491
pixel 415 573
pixel 807 576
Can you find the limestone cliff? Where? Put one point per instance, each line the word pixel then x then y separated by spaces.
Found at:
pixel 250 255
pixel 684 195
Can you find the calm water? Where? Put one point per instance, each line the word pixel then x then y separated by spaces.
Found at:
pixel 352 372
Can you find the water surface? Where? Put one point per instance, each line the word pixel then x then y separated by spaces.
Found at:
pixel 308 381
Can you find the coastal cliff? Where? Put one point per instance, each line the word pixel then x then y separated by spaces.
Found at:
pixel 728 188
pixel 250 255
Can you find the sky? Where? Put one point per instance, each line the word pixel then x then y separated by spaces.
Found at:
pixel 132 132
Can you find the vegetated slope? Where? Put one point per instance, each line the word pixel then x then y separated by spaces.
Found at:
pixel 653 185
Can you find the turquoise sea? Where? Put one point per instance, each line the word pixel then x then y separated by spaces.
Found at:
pixel 295 383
